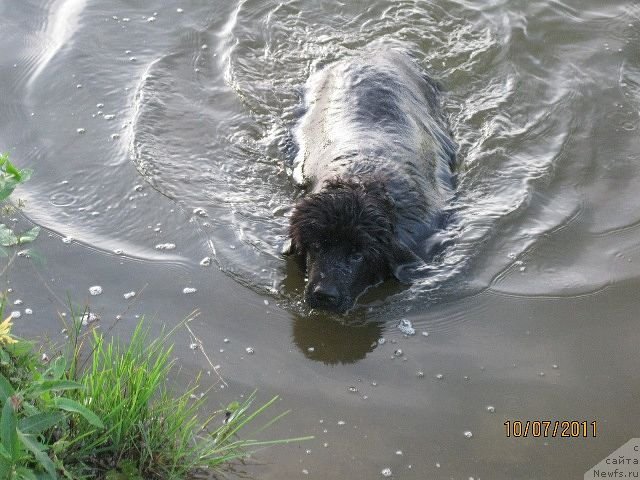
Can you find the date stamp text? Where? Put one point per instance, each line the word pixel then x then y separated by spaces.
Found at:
pixel 551 428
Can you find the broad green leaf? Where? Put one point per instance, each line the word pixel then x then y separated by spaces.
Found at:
pixel 40 422
pixel 28 236
pixel 29 409
pixel 5 465
pixel 42 386
pixel 39 451
pixel 6 390
pixel 8 422
pixel 57 368
pixel 27 474
pixel 7 185
pixel 45 476
pixel 4 454
pixel 7 237
pixel 74 407
pixel 56 385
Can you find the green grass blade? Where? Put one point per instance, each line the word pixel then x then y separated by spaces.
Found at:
pixel 272 421
pixel 246 419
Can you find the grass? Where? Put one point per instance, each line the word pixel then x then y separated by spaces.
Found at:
pixel 116 418
pixel 145 425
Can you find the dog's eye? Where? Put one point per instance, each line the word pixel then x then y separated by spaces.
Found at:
pixel 356 257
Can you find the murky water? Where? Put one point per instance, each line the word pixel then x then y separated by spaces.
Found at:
pixel 159 124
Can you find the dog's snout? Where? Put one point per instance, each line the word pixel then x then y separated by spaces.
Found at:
pixel 326 294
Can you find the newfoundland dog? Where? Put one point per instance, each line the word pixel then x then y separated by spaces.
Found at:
pixel 375 157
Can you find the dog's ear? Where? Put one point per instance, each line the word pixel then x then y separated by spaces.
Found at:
pixel 402 261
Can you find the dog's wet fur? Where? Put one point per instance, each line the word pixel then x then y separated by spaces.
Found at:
pixel 376 159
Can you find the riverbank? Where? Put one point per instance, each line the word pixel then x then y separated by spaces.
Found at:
pixel 102 409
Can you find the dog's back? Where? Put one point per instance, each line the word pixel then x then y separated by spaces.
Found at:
pixel 378 116
pixel 376 159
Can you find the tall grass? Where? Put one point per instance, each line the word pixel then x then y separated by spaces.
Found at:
pixel 144 424
pixel 116 417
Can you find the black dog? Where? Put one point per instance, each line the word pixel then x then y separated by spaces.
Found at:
pixel 376 157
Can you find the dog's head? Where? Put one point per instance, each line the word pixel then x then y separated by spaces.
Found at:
pixel 345 234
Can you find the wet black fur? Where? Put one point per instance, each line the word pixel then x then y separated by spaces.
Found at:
pixel 358 214
pixel 375 157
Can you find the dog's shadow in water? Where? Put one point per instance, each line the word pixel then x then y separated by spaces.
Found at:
pixel 325 339
pixel 332 338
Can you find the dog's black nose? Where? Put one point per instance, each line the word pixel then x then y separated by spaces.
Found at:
pixel 326 294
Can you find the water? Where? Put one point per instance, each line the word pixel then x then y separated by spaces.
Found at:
pixel 159 136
